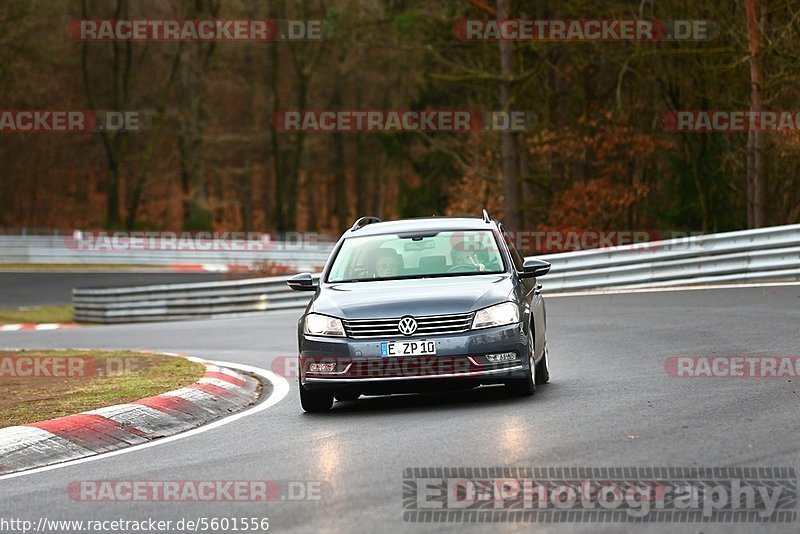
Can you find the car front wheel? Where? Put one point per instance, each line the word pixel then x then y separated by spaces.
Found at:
pixel 524 387
pixel 543 368
pixel 315 402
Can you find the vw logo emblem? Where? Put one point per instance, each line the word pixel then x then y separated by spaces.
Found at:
pixel 407 326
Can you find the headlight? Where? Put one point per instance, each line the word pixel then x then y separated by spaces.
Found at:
pixel 500 314
pixel 322 325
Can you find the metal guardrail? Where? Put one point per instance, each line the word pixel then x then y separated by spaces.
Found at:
pixel 754 255
pixel 185 301
pixel 762 254
pixel 63 249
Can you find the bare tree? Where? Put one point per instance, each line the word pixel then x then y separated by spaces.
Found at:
pixel 288 157
pixel 508 149
pixel 114 143
pixel 755 139
pixel 191 75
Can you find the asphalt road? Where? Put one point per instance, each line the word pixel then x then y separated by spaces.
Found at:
pixel 610 404
pixel 39 289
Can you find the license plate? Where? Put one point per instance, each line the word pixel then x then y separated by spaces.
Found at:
pixel 408 348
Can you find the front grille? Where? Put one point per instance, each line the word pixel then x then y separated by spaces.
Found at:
pixel 431 325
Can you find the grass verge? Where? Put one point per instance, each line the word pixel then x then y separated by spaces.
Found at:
pixel 69 381
pixel 37 314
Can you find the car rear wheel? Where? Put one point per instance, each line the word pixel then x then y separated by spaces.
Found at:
pixel 543 368
pixel 525 387
pixel 315 402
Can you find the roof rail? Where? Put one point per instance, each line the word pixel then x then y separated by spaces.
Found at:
pixel 363 221
pixel 486 217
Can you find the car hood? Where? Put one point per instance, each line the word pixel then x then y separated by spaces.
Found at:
pixel 418 297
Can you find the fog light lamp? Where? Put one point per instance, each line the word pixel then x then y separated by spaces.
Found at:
pixel 321 367
pixel 502 357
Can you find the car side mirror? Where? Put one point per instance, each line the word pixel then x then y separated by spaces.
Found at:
pixel 302 282
pixel 534 268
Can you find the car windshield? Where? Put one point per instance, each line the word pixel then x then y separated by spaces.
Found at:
pixel 417 255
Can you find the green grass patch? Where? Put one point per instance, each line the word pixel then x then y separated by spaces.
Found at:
pixel 37 314
pixel 106 378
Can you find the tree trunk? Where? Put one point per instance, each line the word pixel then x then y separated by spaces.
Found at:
pixel 340 162
pixel 196 214
pixel 305 57
pixel 526 193
pixel 246 175
pixel 755 139
pixel 508 152
pixel 362 186
pixel 309 183
pixel 139 180
pixel 113 143
pixel 292 177
pixel 273 197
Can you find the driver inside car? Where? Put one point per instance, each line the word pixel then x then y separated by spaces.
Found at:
pixel 462 256
pixel 388 263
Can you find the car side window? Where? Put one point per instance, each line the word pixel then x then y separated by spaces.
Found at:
pixel 516 257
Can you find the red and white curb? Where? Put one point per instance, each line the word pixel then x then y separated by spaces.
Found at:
pixel 35 326
pixel 220 392
pixel 208 268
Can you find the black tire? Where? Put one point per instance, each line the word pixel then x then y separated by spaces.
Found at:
pixel 347 396
pixel 543 368
pixel 315 402
pixel 525 387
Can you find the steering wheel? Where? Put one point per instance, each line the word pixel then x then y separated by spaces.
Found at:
pixel 462 268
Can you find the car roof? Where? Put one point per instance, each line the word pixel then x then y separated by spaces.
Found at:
pixel 422 224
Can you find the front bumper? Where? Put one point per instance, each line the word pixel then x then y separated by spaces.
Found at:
pixel 460 361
